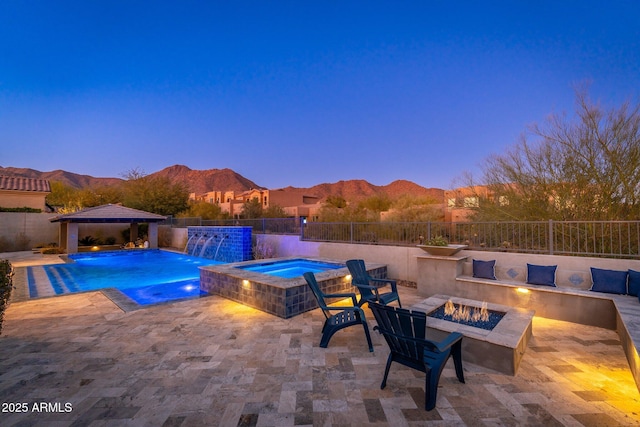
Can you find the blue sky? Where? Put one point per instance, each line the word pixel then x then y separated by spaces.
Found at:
pixel 300 93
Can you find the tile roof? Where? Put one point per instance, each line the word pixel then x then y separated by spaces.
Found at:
pixel 109 213
pixel 18 183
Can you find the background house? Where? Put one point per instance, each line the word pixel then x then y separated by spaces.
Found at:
pixel 19 192
pixel 295 204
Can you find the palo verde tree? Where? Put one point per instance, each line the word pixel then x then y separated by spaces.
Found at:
pixel 204 210
pixel 70 199
pixel 585 167
pixel 409 208
pixel 154 194
pixel 252 209
pixel 274 211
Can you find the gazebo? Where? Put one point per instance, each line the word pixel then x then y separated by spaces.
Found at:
pixel 106 214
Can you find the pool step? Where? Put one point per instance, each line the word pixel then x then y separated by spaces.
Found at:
pixel 39 283
pixel 62 282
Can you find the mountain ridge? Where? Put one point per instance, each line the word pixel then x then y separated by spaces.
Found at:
pixel 202 181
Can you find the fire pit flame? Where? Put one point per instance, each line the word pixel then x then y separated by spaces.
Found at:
pixel 462 313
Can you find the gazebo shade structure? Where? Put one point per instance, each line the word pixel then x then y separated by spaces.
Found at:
pixel 106 214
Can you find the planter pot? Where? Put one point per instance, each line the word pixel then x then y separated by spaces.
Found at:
pixel 442 250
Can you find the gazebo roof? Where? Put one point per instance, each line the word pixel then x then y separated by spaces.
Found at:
pixel 109 213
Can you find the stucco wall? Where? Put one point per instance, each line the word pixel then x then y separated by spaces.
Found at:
pixel 21 230
pixel 402 262
pixel 22 199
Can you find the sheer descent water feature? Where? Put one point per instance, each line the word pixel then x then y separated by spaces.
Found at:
pixel 220 243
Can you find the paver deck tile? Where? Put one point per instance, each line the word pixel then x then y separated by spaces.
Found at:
pixel 213 362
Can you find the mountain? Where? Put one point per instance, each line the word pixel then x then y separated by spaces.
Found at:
pixel 358 189
pixel 201 181
pixel 197 181
pixel 67 178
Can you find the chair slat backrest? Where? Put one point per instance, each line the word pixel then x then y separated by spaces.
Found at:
pixel 315 288
pixel 403 330
pixel 359 276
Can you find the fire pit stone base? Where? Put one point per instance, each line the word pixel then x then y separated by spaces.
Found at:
pixel 500 349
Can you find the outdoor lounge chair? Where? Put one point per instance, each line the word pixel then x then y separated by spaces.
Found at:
pixel 369 286
pixel 405 331
pixel 344 317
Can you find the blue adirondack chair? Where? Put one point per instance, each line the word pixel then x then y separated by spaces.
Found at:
pixel 405 333
pixel 344 317
pixel 369 286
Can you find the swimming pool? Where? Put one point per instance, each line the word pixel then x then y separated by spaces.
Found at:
pixel 146 276
pixel 292 267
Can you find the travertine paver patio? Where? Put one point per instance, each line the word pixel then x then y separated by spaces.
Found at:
pixel 215 362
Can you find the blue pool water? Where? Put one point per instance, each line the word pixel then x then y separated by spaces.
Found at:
pixel 291 268
pixel 147 277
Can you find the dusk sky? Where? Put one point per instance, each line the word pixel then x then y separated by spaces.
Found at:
pixel 300 93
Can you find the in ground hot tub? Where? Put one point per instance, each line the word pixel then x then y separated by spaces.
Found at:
pixel 291 268
pixel 253 283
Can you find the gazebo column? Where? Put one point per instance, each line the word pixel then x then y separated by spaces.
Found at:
pixel 133 232
pixel 71 244
pixel 153 235
pixel 62 237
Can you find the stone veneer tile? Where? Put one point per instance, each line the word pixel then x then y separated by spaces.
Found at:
pixel 281 297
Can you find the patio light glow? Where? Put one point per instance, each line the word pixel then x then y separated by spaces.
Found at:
pixel 522 290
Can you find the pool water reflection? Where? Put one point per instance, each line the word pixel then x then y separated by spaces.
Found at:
pixel 146 276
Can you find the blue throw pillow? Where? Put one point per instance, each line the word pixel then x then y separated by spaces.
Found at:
pixel 633 287
pixel 484 269
pixel 541 274
pixel 609 281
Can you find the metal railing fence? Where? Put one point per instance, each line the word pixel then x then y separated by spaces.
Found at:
pixel 619 239
pixel 585 238
pixel 260 225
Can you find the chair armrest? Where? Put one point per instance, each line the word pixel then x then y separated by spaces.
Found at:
pixel 345 295
pixel 450 340
pixel 429 345
pixel 374 289
pixel 384 282
pixel 348 308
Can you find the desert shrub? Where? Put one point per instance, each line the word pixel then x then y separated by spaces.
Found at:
pixel 25 209
pixel 87 241
pixel 52 251
pixel 263 250
pixel 143 230
pixel 5 245
pixel 6 286
pixel 20 242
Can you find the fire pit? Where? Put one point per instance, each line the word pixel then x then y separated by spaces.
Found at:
pixel 478 317
pixel 499 348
